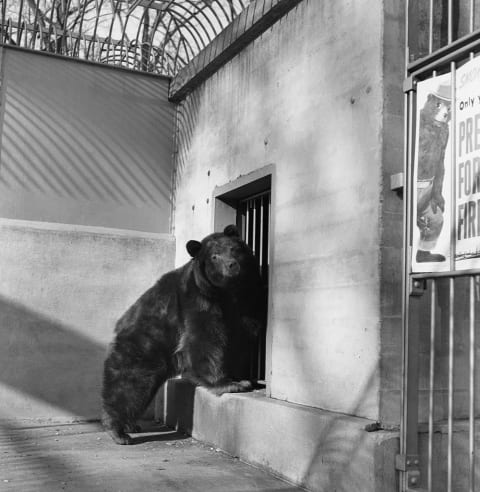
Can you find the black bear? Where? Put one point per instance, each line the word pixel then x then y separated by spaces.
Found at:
pixel 433 139
pixel 199 320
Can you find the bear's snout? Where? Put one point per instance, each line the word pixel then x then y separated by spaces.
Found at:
pixel 233 267
pixel 226 264
pixel 442 116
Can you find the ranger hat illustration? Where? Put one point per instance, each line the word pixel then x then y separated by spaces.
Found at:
pixel 443 91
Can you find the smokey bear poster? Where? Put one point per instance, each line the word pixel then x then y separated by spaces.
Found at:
pixel 467 166
pixel 432 200
pixel 446 223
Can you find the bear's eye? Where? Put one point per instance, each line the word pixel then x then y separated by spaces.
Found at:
pixel 214 257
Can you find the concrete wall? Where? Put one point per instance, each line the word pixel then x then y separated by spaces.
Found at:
pixel 61 290
pixel 84 144
pixel 307 97
pixel 391 245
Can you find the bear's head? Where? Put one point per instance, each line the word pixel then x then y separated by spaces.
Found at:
pixel 436 109
pixel 223 258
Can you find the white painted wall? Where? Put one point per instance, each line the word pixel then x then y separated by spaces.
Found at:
pixel 306 97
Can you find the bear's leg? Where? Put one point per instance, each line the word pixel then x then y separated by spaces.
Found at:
pixel 207 368
pixel 114 427
pixel 126 395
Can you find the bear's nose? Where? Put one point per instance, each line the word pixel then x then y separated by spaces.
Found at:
pixel 233 267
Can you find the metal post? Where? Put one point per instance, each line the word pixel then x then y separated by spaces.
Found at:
pixel 431 389
pixel 430 27
pixel 471 432
pixel 451 343
pixel 407 461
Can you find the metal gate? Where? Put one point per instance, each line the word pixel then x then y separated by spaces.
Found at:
pixel 441 319
pixel 253 219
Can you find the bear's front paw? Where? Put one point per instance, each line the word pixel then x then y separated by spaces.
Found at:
pixel 232 387
pixel 244 385
pixel 438 201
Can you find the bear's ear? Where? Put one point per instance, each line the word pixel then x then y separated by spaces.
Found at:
pixel 231 230
pixel 193 247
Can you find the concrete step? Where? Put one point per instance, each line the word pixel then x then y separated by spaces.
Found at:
pixel 320 450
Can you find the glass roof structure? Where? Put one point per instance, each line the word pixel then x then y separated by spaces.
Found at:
pixel 148 35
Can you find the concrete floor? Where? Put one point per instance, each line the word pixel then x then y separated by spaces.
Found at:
pixel 80 457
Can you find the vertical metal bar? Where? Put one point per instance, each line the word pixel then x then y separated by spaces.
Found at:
pixel 430 27
pixel 244 221
pixel 3 8
pixel 51 21
pixel 98 8
pixel 453 123
pixel 265 236
pixel 269 218
pixel 254 225
pixel 247 224
pixel 472 387
pixel 35 21
pixel 63 42
pixel 431 388
pixel 258 227
pixel 472 15
pixel 451 342
pixel 80 30
pixel 260 252
pixel 19 22
pixel 411 28
pixel 409 395
pixel 450 21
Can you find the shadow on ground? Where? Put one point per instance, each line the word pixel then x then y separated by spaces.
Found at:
pixel 80 457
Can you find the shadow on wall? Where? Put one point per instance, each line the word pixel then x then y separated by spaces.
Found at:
pixel 186 120
pixel 340 459
pixel 85 132
pixel 43 362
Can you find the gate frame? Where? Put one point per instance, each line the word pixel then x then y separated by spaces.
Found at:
pixel 414 285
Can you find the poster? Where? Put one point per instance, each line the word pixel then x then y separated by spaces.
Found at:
pixel 467 166
pixel 432 200
pixel 446 195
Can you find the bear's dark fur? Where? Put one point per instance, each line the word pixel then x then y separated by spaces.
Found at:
pixel 198 320
pixel 433 138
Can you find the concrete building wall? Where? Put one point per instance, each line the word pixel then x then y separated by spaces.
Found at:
pixel 306 97
pixel 62 288
pixel 392 212
pixel 84 144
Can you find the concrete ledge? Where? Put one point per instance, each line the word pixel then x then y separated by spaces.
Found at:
pixel 58 227
pixel 320 450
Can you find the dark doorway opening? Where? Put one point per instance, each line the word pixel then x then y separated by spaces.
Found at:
pixel 247 202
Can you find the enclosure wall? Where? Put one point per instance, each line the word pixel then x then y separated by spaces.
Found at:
pixel 85 193
pixel 307 97
pixel 61 290
pixel 83 143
